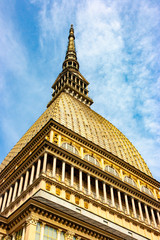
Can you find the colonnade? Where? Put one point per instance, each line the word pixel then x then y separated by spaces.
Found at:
pixel 99 190
pixel 22 183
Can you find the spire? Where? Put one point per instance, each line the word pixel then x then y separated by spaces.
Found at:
pixel 71 57
pixel 70 80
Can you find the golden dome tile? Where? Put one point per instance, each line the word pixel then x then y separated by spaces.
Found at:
pixel 81 119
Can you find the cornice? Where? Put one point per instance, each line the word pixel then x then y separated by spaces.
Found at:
pixel 52 148
pixel 72 91
pixel 86 166
pixel 57 126
pixel 25 152
pixel 32 208
pixel 104 152
pixel 97 171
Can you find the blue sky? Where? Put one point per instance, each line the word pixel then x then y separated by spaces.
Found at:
pixel 118 49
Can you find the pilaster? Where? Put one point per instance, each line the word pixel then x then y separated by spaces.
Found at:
pixel 31 223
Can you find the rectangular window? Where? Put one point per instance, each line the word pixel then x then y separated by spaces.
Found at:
pixel 77 200
pixel 62 236
pixel 86 204
pixel 50 233
pixel 38 231
pixel 58 191
pixel 18 235
pixel 68 195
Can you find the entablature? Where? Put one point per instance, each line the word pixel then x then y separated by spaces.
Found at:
pixel 27 152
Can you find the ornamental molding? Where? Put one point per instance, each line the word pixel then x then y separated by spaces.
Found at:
pixel 104 176
pixel 69 235
pixel 7 238
pixel 19 158
pixel 32 220
pixel 33 213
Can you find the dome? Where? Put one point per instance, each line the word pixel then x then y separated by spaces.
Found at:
pixel 80 118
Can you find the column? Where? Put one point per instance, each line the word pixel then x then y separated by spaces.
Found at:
pixel 38 168
pixel 23 232
pixel 42 231
pixel 15 191
pixel 120 200
pixel 104 192
pixel 54 166
pixel 44 163
pixel 1 201
pixel 31 223
pixel 133 207
pixel 80 179
pixel 4 201
pixel 59 140
pixel 72 175
pixel 1 236
pixel 81 152
pixel 51 136
pixel 20 186
pixel 126 202
pixel 13 236
pixel 153 217
pixel 26 180
pixel 32 174
pixel 59 234
pixel 147 214
pixel 89 183
pixel 97 188
pixel 112 196
pixel 140 210
pixel 102 161
pixel 158 216
pixel 9 196
pixel 63 170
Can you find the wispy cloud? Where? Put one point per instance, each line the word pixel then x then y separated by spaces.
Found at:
pixel 18 82
pixel 118 50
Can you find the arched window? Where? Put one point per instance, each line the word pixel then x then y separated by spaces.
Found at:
pixel 111 170
pixel 70 148
pixel 147 190
pixel 91 159
pixel 130 181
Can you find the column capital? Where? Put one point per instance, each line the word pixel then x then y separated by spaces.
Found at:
pixel 70 235
pixel 13 234
pixel 43 224
pixel 1 236
pixel 32 220
pixel 7 237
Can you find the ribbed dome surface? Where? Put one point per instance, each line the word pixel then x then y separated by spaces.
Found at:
pixel 78 117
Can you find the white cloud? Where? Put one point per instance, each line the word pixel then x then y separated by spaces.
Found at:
pixel 118 50
pixel 117 46
pixel 13 53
